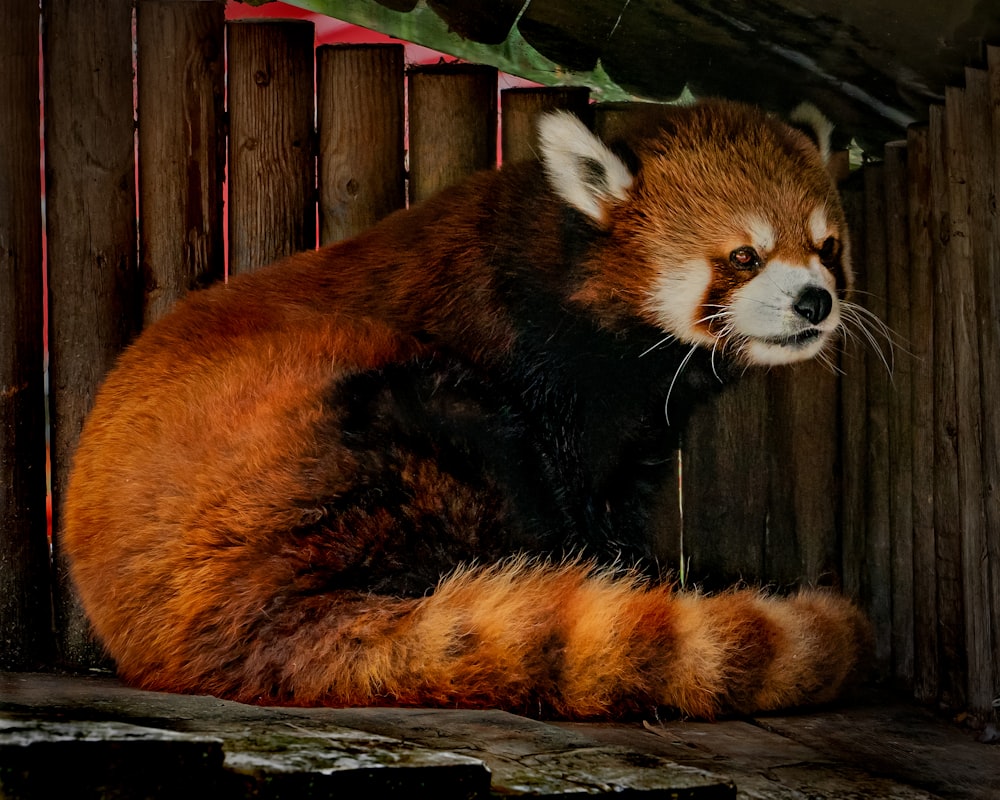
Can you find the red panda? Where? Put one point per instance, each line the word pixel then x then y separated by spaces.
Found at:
pixel 408 468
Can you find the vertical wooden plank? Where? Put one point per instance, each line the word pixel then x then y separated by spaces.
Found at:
pixel 803 540
pixel 853 405
pixel 453 125
pixel 922 257
pixel 900 409
pixel 993 541
pixel 965 345
pixel 877 568
pixel 24 569
pixel 725 444
pixel 984 327
pixel 362 175
pixel 519 112
pixel 612 120
pixel 272 209
pixel 95 302
pixel 947 513
pixel 181 86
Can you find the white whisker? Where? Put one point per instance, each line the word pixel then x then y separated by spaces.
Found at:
pixel 859 323
pixel 666 339
pixel 680 368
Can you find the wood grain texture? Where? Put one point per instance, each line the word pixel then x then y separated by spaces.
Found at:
pixel 453 125
pixel 803 538
pixel 726 473
pixel 900 411
pixel 181 87
pixel 24 569
pixel 520 109
pixel 272 198
pixel 993 541
pixel 362 174
pixel 853 405
pixel 966 351
pixel 94 288
pixel 947 516
pixel 921 252
pixel 982 300
pixel 877 563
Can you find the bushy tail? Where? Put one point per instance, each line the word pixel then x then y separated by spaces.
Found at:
pixel 565 640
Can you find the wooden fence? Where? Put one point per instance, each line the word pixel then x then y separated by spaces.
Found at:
pixel 880 483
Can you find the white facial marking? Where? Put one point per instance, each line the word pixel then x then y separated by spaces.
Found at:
pixel 761 234
pixel 819 228
pixel 676 301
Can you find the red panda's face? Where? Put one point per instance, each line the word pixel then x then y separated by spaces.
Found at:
pixel 729 234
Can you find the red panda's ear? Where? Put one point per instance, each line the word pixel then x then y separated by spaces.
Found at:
pixel 814 124
pixel 582 170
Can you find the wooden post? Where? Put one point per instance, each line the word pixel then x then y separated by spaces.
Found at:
pixel 803 540
pixel 853 405
pixel 519 112
pixel 900 411
pixel 982 299
pixel 965 344
pixel 725 533
pixel 453 125
pixel 362 175
pixel 95 302
pixel 947 515
pixel 181 85
pixel 993 541
pixel 611 120
pixel 922 259
pixel 272 210
pixel 25 610
pixel 877 564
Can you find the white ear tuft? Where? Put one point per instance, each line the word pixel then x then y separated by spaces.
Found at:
pixel 814 122
pixel 581 168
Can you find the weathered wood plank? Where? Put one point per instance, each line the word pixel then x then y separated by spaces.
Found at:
pixel 905 743
pixel 947 516
pixel 877 564
pixel 993 501
pixel 520 109
pixel 853 405
pixel 24 559
pixel 921 251
pixel 272 197
pixel 764 765
pixel 100 759
pixel 528 758
pixel 803 539
pixel 303 753
pixel 983 300
pixel 181 87
pixel 95 300
pixel 900 411
pixel 453 125
pixel 726 445
pixel 362 175
pixel 969 403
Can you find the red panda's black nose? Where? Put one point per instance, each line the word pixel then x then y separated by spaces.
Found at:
pixel 814 304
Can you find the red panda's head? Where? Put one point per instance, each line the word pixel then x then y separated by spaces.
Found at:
pixel 723 228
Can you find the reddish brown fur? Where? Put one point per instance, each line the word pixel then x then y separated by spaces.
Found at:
pixel 194 466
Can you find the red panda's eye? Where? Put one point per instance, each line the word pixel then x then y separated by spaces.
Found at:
pixel 829 251
pixel 744 258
